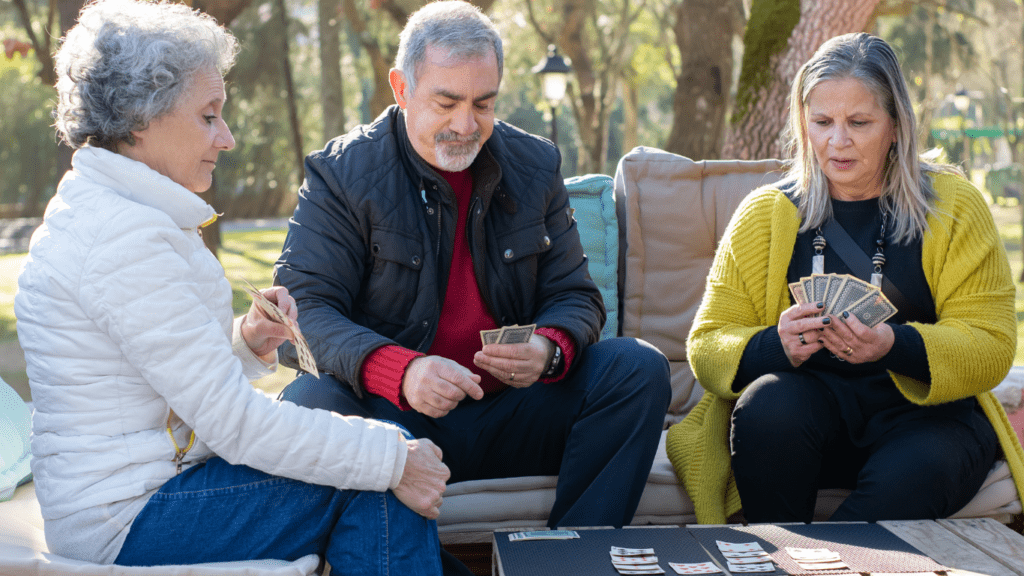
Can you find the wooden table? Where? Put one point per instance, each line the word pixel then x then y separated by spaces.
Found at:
pixel 974 547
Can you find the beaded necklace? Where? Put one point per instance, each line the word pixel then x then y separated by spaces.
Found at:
pixel 878 259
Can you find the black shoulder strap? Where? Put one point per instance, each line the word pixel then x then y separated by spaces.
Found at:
pixel 843 245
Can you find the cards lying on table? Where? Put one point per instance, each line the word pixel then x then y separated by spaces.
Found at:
pixel 635 561
pixel 306 360
pixel 843 292
pixel 543 535
pixel 514 334
pixel 816 558
pixel 695 568
pixel 745 557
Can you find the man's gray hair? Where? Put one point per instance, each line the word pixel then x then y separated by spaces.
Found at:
pixel 127 63
pixel 907 193
pixel 457 27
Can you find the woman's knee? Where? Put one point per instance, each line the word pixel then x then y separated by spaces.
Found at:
pixel 777 409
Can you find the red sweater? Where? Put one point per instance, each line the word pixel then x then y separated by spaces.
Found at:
pixel 463 316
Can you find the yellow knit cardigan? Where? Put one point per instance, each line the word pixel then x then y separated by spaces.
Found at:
pixel 970 349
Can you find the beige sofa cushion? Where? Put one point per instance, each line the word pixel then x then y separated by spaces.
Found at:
pixel 676 212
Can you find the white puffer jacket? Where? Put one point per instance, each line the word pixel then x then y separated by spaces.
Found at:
pixel 124 315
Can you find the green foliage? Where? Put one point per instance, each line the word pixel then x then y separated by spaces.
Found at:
pixel 767 34
pixel 27 142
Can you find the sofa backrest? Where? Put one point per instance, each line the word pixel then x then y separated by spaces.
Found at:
pixel 676 210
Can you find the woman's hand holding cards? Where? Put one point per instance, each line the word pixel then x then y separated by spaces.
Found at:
pixel 799 330
pixel 849 339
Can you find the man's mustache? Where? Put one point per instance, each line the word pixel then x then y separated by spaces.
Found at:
pixel 450 136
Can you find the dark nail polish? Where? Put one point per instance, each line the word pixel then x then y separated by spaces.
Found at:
pixel 820 341
pixel 821 305
pixel 846 314
pixel 826 320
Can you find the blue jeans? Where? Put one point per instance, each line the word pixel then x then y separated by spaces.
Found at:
pixel 218 512
pixel 597 429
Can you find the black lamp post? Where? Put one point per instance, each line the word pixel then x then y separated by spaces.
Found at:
pixel 553 71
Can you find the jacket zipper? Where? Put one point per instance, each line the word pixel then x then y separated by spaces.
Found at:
pixel 437 255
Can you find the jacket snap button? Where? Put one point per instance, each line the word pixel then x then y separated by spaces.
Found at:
pixel 375 248
pixel 430 211
pixel 426 323
pixel 415 260
pixel 547 241
pixel 509 254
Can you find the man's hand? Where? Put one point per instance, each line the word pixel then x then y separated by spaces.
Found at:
pixel 518 365
pixel 434 385
pixel 423 479
pixel 262 334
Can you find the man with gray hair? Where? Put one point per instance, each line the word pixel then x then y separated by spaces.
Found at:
pixel 435 223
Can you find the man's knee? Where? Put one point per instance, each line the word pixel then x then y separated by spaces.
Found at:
pixel 326 393
pixel 634 369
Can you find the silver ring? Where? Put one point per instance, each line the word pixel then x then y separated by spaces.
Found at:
pixel 801 337
pixel 511 376
pixel 848 351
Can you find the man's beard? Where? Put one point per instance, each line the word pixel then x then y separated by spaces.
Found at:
pixel 455 153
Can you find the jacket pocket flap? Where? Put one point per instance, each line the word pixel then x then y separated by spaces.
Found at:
pixel 524 242
pixel 397 247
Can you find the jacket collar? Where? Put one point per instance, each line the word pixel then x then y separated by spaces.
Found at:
pixel 139 183
pixel 485 168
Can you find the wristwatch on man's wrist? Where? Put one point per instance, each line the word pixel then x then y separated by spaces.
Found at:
pixel 555 366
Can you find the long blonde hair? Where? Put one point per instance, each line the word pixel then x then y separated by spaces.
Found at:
pixel 907 193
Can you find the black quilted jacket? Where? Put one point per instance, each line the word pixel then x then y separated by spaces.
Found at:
pixel 370 244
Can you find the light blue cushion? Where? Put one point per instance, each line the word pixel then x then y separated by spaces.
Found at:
pixel 15 453
pixel 592 197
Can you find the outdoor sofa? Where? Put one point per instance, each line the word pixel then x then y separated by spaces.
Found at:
pixel 650 235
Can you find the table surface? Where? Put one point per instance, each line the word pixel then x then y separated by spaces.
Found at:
pixel 971 547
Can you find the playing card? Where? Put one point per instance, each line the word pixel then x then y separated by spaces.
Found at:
pixel 809 289
pixel 820 282
pixel 516 334
pixel 543 535
pixel 695 568
pixel 751 554
pixel 873 309
pixel 617 551
pixel 812 554
pixel 837 565
pixel 306 360
pixel 835 283
pixel 797 290
pixel 851 291
pixel 634 560
pixel 738 546
pixel 640 569
pixel 762 567
pixel 489 336
pixel 760 559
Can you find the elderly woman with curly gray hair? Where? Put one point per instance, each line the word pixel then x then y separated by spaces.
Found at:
pixel 150 445
pixel 801 397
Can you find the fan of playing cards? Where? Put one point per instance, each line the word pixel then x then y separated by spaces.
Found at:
pixel 843 292
pixel 514 334
pixel 306 361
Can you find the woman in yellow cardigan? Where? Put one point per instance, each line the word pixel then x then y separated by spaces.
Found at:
pixel 800 396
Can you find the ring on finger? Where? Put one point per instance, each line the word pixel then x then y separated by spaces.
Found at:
pixel 848 351
pixel 512 376
pixel 801 337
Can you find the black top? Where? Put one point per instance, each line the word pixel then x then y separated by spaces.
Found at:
pixel 869 399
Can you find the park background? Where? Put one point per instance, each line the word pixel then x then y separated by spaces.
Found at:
pixel 703 78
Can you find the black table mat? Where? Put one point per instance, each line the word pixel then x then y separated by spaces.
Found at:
pixel 589 554
pixel 863 547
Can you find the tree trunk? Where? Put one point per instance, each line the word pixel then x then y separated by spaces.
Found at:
pixel 293 111
pixel 631 116
pixel 381 62
pixel 332 98
pixel 756 134
pixel 703 31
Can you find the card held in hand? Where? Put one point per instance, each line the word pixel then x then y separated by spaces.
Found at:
pixel 873 309
pixel 516 334
pixel 306 361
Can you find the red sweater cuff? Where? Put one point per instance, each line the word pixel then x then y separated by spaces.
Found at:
pixel 383 370
pixel 564 342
